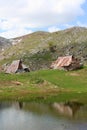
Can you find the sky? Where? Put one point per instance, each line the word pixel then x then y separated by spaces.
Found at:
pixel 21 17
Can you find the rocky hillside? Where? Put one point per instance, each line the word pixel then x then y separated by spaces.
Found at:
pixel 39 49
pixel 4 43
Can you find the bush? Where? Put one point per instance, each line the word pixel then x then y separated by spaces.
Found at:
pixel 52 47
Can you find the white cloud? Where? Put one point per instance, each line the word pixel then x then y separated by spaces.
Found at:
pixel 37 13
pixel 82 24
pixel 15 32
pixel 5 25
pixel 53 29
pixel 69 25
pixel 78 23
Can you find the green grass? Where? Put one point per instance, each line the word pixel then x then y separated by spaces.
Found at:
pixel 45 85
pixel 74 80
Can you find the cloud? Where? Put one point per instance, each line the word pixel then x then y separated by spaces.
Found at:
pixel 82 24
pixel 69 25
pixel 37 13
pixel 15 32
pixel 53 29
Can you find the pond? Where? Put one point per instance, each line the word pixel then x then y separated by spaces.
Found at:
pixel 39 116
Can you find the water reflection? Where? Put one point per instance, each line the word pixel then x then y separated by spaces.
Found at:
pixel 20 105
pixel 68 108
pixel 35 116
pixel 4 105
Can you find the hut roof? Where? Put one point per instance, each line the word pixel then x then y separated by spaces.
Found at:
pixel 14 66
pixel 62 61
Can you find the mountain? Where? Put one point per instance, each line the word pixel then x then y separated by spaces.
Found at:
pixel 4 43
pixel 39 49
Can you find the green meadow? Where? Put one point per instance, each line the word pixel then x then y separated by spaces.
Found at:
pixel 45 86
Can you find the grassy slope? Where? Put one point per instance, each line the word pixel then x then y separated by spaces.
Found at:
pixel 46 85
pixel 28 44
pixel 72 41
pixel 4 43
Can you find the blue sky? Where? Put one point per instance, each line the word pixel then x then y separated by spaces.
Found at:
pixel 20 17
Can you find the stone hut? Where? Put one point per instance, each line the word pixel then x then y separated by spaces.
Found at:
pixel 66 63
pixel 16 67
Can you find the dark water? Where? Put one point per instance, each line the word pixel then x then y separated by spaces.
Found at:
pixel 35 116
